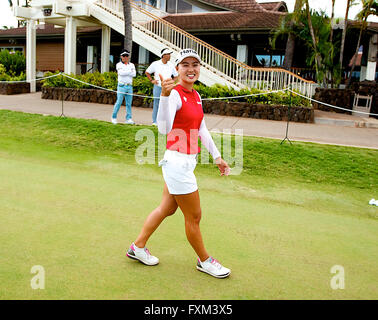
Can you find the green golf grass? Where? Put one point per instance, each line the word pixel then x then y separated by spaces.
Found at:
pixel 73 198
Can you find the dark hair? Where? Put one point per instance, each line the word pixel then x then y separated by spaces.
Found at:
pixel 163 50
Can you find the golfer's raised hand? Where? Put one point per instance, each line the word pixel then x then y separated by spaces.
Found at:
pixel 223 166
pixel 166 86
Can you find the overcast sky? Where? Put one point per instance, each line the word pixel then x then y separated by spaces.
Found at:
pixel 7 19
pixel 340 6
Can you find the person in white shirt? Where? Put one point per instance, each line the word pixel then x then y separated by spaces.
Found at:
pixel 167 71
pixel 181 117
pixel 126 73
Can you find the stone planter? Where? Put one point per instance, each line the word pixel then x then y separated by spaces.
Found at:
pixel 14 88
pixel 236 109
pixel 87 95
pixel 258 111
pixel 337 97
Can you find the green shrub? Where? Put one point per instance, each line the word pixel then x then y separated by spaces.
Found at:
pixel 14 63
pixel 7 77
pixel 110 80
pixel 280 98
pixel 144 87
pixel 55 82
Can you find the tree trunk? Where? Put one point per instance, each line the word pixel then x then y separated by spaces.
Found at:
pixel 290 44
pixel 289 52
pixel 332 17
pixel 128 40
pixel 318 58
pixel 331 37
pixel 344 35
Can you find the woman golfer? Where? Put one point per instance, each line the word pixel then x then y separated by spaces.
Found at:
pixel 180 116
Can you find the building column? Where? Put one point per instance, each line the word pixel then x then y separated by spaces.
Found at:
pixel 31 43
pixel 90 59
pixel 70 46
pixel 372 57
pixel 105 48
pixel 143 56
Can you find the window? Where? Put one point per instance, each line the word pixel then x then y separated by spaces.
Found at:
pixel 171 6
pixel 150 2
pixel 276 61
pixel 12 49
pixel 263 60
pixel 178 6
pixel 266 60
pixel 183 7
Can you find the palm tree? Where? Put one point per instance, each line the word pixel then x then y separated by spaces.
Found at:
pixel 128 40
pixel 318 57
pixel 349 4
pixel 332 17
pixel 312 29
pixel 290 44
pixel 332 48
pixel 369 7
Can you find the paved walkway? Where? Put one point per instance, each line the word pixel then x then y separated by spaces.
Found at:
pixel 345 120
pixel 333 132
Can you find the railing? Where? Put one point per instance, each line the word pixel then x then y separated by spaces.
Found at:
pixel 149 8
pixel 116 5
pixel 306 73
pixel 225 66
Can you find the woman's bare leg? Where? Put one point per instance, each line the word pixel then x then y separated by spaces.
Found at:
pixel 190 206
pixel 167 207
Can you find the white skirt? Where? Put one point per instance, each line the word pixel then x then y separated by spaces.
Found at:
pixel 178 172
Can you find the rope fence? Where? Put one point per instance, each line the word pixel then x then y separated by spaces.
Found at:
pixel 37 79
pixel 149 97
pixel 208 99
pixel 332 106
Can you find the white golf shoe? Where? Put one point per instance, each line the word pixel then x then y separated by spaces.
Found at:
pixel 142 255
pixel 114 120
pixel 213 268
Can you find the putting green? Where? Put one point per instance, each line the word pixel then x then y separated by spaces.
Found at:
pixel 75 212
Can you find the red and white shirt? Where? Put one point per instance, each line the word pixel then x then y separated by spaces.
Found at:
pixel 181 117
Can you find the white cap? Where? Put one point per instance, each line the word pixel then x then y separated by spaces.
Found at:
pixel 125 52
pixel 186 53
pixel 165 51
